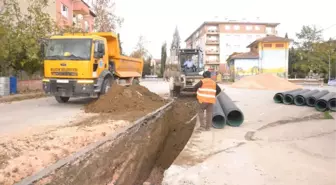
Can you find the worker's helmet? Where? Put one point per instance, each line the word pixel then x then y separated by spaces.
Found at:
pixel 206 74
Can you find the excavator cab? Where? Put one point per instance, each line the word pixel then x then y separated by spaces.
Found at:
pixel 191 61
pixel 191 67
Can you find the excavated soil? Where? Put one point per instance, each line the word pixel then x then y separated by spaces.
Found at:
pixel 121 99
pixel 25 155
pixel 140 153
pixel 265 82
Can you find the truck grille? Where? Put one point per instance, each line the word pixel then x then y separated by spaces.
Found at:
pixel 64 71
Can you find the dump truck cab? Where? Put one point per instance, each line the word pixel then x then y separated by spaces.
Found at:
pixel 189 71
pixel 85 65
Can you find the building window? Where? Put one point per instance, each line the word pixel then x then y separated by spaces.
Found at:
pixel 279 45
pixel 267 45
pixel 249 37
pixel 197 34
pixel 64 10
pixel 227 27
pixel 86 26
pixel 248 28
pixel 257 28
pixel 269 30
pixel 236 27
pixel 258 36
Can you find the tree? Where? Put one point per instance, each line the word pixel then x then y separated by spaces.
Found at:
pixel 308 43
pixel 21 42
pixel 163 57
pixel 106 20
pixel 140 50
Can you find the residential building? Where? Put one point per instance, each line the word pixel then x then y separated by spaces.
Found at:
pixel 220 39
pixel 67 13
pixel 266 55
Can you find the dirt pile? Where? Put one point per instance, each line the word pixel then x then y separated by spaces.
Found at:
pixel 121 99
pixel 265 82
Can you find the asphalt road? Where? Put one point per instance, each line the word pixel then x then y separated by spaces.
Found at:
pixel 46 112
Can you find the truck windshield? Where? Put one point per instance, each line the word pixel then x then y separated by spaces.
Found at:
pixel 68 49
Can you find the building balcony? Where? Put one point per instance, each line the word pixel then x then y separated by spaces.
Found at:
pixel 80 7
pixel 212 32
pixel 212 52
pixel 212 42
pixel 212 62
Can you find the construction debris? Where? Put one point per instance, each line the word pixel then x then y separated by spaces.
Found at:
pixel 265 82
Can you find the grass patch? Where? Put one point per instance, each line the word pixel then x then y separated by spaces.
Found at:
pixel 327 115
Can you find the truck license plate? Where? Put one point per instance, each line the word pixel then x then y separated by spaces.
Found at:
pixel 62 81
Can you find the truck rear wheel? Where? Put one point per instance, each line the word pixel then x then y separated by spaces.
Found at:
pixel 135 81
pixel 62 99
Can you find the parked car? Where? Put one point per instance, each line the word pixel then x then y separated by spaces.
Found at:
pixel 332 82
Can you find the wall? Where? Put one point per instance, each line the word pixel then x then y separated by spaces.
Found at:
pixel 274 60
pixel 29 85
pixel 245 67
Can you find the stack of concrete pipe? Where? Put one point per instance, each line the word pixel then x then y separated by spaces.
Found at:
pixel 225 112
pixel 321 100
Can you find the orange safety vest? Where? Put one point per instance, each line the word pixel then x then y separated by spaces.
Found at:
pixel 207 93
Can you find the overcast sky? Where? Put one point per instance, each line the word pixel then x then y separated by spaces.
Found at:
pixel 156 19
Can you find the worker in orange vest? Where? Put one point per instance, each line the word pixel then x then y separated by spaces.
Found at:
pixel 207 90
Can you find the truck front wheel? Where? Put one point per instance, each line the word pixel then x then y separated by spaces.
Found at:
pixel 106 85
pixel 62 99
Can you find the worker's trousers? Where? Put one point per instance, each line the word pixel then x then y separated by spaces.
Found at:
pixel 205 115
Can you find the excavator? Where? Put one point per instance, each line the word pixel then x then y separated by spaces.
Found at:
pixel 181 78
pixel 86 64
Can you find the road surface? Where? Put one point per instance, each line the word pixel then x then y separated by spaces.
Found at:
pixel 46 112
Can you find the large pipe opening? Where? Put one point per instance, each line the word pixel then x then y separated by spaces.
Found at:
pixel 299 100
pixel 278 98
pixel 321 105
pixel 332 104
pixel 218 121
pixel 235 118
pixel 288 99
pixel 311 101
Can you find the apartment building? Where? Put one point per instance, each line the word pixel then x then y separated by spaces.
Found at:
pixel 220 39
pixel 66 12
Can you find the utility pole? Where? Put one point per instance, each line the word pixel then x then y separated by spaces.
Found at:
pixel 329 66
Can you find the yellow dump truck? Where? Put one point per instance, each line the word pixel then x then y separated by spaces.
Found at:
pixel 85 65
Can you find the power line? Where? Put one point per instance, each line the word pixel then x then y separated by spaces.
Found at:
pixel 324 29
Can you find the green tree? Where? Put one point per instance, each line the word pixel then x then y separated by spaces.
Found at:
pixel 163 57
pixel 308 51
pixel 24 32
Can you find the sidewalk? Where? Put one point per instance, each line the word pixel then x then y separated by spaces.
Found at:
pixel 20 97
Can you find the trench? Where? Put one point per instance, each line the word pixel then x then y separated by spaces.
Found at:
pixel 131 156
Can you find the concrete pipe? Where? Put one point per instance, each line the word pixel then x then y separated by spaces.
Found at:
pixel 322 103
pixel 300 99
pixel 311 100
pixel 278 97
pixel 234 116
pixel 332 103
pixel 289 97
pixel 218 116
